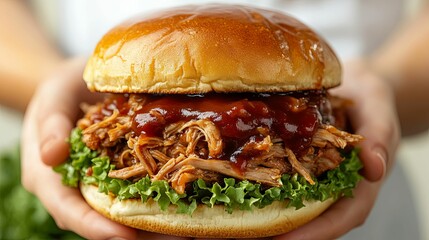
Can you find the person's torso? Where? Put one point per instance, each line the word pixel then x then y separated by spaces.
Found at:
pixel 351 27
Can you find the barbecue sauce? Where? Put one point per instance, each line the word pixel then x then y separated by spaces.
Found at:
pixel 240 117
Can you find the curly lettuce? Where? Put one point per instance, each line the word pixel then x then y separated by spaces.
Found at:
pixel 87 166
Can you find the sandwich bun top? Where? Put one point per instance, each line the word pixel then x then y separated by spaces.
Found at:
pixel 211 48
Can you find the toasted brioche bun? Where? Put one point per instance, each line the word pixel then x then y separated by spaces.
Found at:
pixel 212 48
pixel 205 221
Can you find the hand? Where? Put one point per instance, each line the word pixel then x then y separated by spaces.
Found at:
pixel 47 124
pixel 373 116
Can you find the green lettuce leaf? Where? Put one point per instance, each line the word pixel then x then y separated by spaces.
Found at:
pixel 87 166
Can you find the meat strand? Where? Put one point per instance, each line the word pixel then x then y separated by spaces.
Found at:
pixel 190 150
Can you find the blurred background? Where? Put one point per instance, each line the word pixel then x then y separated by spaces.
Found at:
pixel 73 27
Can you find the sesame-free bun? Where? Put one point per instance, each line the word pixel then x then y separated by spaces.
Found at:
pixel 205 221
pixel 211 48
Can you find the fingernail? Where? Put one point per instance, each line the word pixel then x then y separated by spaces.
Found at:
pixel 53 133
pixel 382 156
pixel 50 131
pixel 47 143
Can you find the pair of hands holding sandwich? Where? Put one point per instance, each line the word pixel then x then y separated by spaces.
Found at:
pixel 55 108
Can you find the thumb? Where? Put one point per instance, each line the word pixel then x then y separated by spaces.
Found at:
pixel 58 101
pixel 53 135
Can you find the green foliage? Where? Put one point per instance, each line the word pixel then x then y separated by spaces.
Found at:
pixel 232 194
pixel 22 216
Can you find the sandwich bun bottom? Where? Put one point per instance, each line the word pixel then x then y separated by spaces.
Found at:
pixel 271 220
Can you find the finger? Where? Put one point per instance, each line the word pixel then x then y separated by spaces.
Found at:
pixel 53 138
pixel 66 205
pixel 341 217
pixel 71 212
pixel 373 116
pixel 58 109
pixel 376 120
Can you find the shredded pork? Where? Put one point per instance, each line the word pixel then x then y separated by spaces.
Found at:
pixel 191 150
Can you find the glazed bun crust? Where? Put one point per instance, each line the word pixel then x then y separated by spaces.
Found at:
pixel 204 222
pixel 212 48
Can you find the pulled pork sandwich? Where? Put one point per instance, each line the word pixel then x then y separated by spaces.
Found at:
pixel 216 123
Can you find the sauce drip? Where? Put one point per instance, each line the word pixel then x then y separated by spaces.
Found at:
pixel 240 117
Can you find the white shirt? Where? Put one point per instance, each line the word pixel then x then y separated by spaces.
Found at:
pixel 351 27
